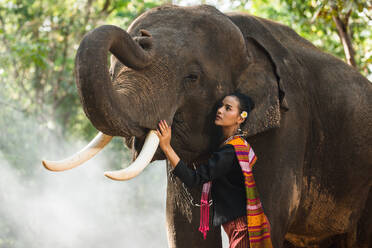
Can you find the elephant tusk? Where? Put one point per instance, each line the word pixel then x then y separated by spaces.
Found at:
pixel 96 145
pixel 143 159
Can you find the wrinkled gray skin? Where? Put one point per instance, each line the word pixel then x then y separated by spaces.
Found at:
pixel 311 128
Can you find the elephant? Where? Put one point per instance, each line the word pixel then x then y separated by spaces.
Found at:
pixel 310 128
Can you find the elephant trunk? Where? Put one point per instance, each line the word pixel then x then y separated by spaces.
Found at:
pixel 96 92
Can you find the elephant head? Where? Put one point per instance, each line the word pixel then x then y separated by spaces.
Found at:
pixel 173 63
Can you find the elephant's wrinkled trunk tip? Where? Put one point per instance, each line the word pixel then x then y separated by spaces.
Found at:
pixel 92 74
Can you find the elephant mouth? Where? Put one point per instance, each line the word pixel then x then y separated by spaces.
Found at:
pixel 136 143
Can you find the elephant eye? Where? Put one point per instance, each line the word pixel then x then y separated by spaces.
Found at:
pixel 192 78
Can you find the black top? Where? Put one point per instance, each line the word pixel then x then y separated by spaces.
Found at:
pixel 227 191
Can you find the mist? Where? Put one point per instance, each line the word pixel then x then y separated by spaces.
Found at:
pixel 81 207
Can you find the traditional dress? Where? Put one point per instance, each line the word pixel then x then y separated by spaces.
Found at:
pixel 258 224
pixel 228 176
pixel 237 231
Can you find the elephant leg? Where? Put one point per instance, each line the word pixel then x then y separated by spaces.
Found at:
pixel 183 219
pixel 345 241
pixel 361 235
pixel 278 209
pixel 364 229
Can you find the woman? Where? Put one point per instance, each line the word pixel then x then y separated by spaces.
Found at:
pixel 233 191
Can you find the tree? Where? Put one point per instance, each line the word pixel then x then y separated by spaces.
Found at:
pixel 340 27
pixel 347 17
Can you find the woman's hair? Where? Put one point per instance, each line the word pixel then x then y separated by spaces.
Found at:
pixel 245 103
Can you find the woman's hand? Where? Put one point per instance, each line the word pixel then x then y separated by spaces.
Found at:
pixel 164 135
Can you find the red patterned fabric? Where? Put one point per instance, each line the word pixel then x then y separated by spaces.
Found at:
pixel 237 232
pixel 204 210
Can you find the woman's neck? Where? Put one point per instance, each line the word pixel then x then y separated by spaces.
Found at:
pixel 229 131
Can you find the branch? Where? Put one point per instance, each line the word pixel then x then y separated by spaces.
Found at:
pixel 346 19
pixel 369 17
pixel 342 31
pixel 87 16
pixel 105 6
pixel 64 61
pixel 87 19
pixel 19 81
pixel 316 14
pixel 59 101
pixel 13 107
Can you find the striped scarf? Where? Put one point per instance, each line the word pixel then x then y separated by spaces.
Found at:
pixel 258 224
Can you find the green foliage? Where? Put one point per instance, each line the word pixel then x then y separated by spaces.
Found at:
pixel 321 14
pixel 313 20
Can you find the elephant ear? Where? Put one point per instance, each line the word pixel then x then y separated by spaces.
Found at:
pixel 263 77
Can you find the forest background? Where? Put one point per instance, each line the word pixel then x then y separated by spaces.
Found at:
pixel 41 115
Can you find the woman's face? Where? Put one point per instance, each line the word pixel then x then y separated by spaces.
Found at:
pixel 228 114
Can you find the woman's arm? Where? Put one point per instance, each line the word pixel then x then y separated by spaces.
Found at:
pixel 164 135
pixel 220 163
pixel 172 156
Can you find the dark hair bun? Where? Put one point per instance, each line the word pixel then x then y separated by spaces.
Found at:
pixel 245 102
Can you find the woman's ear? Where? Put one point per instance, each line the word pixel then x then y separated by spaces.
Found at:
pixel 240 120
pixel 260 81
